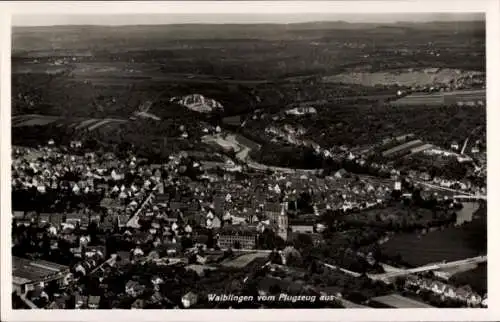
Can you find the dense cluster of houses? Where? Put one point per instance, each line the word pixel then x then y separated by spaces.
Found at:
pixel 460 294
pixel 166 215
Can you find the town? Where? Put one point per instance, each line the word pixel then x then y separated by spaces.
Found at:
pixel 362 189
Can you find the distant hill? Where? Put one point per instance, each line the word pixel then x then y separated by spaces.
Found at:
pixel 148 36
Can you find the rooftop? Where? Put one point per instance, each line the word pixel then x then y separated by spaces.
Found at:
pixel 34 270
pixel 399 301
pixel 238 230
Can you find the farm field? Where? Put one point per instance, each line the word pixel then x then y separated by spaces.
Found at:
pixel 264 68
pixel 465 96
pixel 243 260
pixel 232 120
pixel 402 148
pixel 423 77
pixel 76 123
pixel 442 98
pixel 420 99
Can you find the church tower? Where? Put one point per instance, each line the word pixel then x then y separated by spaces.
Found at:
pixel 397 184
pixel 283 221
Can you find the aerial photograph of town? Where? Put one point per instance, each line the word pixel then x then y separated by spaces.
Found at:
pixel 321 162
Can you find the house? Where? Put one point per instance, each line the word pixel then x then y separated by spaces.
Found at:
pixel 134 288
pixel 137 252
pixel 95 218
pixel 81 301
pixel 273 285
pixel 157 281
pixel 73 218
pixel 56 219
pixel 170 220
pixel 340 173
pixel 156 298
pixel 189 299
pixel 449 292
pixel 240 236
pixel 28 274
pixel 462 294
pixel 172 248
pixel 303 228
pixel 96 252
pixel 138 304
pixel 214 223
pixel 123 257
pixel 57 304
pixel 474 299
pixel 122 220
pixel 438 288
pixel 80 268
pixel 484 302
pixel 19 215
pixel 108 223
pixel 93 302
pixel 316 238
pixel 175 205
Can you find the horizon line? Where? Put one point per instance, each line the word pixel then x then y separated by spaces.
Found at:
pixel 254 23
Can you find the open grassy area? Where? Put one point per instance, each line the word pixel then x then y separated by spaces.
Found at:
pixel 453 243
pixel 476 278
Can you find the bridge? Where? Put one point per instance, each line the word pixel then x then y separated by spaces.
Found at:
pixel 470 197
pixel 348 272
pixel 459 193
pixel 395 272
pixel 427 268
pixel 263 251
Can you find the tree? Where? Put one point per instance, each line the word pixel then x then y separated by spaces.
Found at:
pixel 210 239
pixel 303 241
pixel 304 202
pixel 416 197
pixel 293 257
pixel 396 194
pixel 269 240
pixel 274 289
pixel 275 258
pixel 186 242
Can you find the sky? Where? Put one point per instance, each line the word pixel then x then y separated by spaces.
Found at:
pixel 159 19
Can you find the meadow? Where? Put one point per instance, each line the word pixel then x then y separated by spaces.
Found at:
pixel 451 243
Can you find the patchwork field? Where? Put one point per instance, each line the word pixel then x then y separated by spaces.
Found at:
pixel 77 123
pixel 423 77
pixel 446 98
